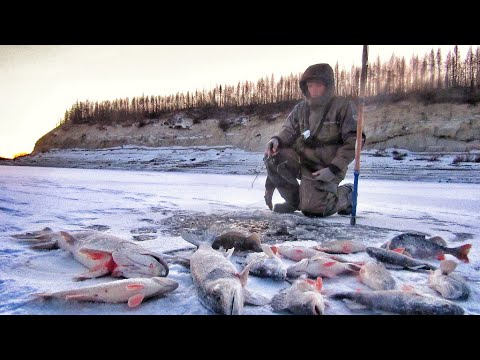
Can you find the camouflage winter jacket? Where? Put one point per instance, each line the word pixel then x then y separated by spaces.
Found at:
pixel 334 144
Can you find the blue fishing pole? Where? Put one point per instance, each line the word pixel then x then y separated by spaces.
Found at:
pixel 358 144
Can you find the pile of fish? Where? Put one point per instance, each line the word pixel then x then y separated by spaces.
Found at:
pixel 223 289
pixel 105 254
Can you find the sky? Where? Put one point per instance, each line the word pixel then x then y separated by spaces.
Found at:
pixel 39 82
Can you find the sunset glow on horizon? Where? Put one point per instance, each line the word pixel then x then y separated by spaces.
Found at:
pixel 40 82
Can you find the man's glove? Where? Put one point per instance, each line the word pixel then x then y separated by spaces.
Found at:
pixel 272 147
pixel 324 175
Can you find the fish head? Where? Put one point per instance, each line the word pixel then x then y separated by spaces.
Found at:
pixel 373 251
pixel 311 303
pixel 387 283
pixel 226 296
pixel 297 269
pixel 167 285
pixel 132 262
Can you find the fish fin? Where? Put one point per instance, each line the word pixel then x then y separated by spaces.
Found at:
pixel 279 301
pixel 319 284
pixel 438 240
pixel 191 238
pixel 410 289
pixel 267 250
pixel 352 305
pixel 399 250
pixel 207 236
pixel 135 300
pixel 243 275
pixel 254 298
pixel 229 253
pixel 134 287
pixel 77 297
pixel 94 254
pixel 69 238
pixel 447 266
pixel 353 267
pixel 461 252
pixel 329 263
pixel 274 249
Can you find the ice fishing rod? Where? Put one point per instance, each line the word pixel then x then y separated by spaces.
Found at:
pixel 358 143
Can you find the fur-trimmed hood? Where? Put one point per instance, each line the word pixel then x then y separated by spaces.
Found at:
pixel 324 72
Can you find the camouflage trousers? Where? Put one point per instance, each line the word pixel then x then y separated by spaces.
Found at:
pixel 312 197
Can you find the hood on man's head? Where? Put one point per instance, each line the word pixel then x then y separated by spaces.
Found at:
pixel 322 72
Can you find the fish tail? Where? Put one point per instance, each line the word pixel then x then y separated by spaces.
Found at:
pixel 461 252
pixel 206 236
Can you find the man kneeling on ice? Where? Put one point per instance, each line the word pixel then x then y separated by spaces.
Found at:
pixel 316 146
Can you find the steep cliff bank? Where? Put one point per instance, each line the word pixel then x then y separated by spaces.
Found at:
pixel 406 125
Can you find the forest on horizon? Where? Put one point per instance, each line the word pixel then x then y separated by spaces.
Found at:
pixel 430 78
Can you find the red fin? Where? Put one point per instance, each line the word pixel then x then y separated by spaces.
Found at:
pixel 330 263
pixel 135 300
pixel 319 284
pixel 407 288
pixel 441 256
pixel 462 252
pixel 94 255
pixel 135 287
pixel 299 251
pixel 111 265
pixel 274 249
pixel 310 281
pixel 399 250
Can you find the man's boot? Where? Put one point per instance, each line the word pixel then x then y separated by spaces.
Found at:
pixel 345 199
pixel 292 199
pixel 283 208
